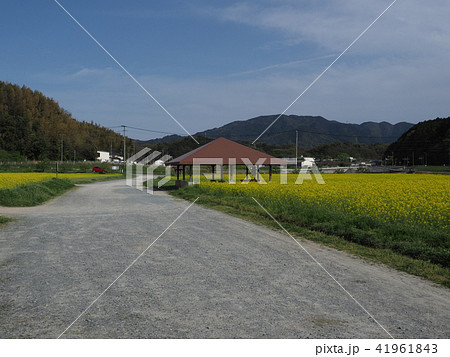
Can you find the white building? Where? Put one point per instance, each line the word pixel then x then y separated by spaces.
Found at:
pixel 308 161
pixel 103 156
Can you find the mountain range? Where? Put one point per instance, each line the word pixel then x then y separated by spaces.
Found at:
pixel 311 130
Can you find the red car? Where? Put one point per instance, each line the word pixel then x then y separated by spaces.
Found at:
pixel 99 170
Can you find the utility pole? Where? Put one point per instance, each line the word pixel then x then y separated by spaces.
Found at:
pixel 62 146
pixel 124 143
pixel 296 149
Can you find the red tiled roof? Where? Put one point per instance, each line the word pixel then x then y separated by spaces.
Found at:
pixel 225 149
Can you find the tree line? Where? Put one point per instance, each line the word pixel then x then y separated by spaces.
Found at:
pixel 33 127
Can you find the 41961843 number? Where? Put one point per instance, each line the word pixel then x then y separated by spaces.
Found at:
pixel 407 348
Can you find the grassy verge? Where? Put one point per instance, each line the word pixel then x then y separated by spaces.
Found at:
pixel 53 166
pixel 35 193
pixel 168 186
pixel 364 238
pixel 433 168
pixel 98 178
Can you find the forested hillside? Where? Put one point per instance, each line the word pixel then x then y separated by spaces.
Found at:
pixel 311 130
pixel 33 126
pixel 426 143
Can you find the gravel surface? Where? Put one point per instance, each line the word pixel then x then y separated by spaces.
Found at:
pixel 209 276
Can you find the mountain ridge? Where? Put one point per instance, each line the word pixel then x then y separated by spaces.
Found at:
pixel 312 131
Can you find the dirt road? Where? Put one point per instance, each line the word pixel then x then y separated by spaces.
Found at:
pixel 209 276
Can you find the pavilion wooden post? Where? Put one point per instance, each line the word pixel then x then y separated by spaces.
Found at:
pixel 246 172
pixel 221 172
pixel 184 173
pixel 270 173
pixel 257 172
pixel 213 169
pixel 178 172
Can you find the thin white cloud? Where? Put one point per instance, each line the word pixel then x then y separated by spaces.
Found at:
pixel 92 72
pixel 280 66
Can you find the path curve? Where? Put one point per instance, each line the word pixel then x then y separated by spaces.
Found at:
pixel 209 276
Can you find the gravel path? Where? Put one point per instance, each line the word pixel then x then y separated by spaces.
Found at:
pixel 209 276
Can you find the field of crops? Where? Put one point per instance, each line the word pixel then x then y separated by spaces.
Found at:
pixel 12 180
pixel 422 200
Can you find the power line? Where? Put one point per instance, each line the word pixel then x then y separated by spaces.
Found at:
pixel 142 129
pixel 273 133
pixel 269 133
pixel 154 131
pixel 124 142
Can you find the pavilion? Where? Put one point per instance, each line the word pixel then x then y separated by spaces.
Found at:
pixel 222 152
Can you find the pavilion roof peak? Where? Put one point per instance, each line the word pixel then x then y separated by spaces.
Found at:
pixel 227 151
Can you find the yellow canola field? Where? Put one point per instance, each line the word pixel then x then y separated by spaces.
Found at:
pixel 11 180
pixel 415 199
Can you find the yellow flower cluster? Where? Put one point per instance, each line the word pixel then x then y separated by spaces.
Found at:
pixel 11 180
pixel 411 199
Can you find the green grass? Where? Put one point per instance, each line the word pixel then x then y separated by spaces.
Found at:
pixel 4 220
pixel 433 168
pixel 416 251
pixel 35 193
pixel 50 166
pixel 98 178
pixel 169 186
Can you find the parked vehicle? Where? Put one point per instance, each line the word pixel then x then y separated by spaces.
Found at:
pixel 99 170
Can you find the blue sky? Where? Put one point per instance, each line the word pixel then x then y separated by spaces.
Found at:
pixel 212 62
